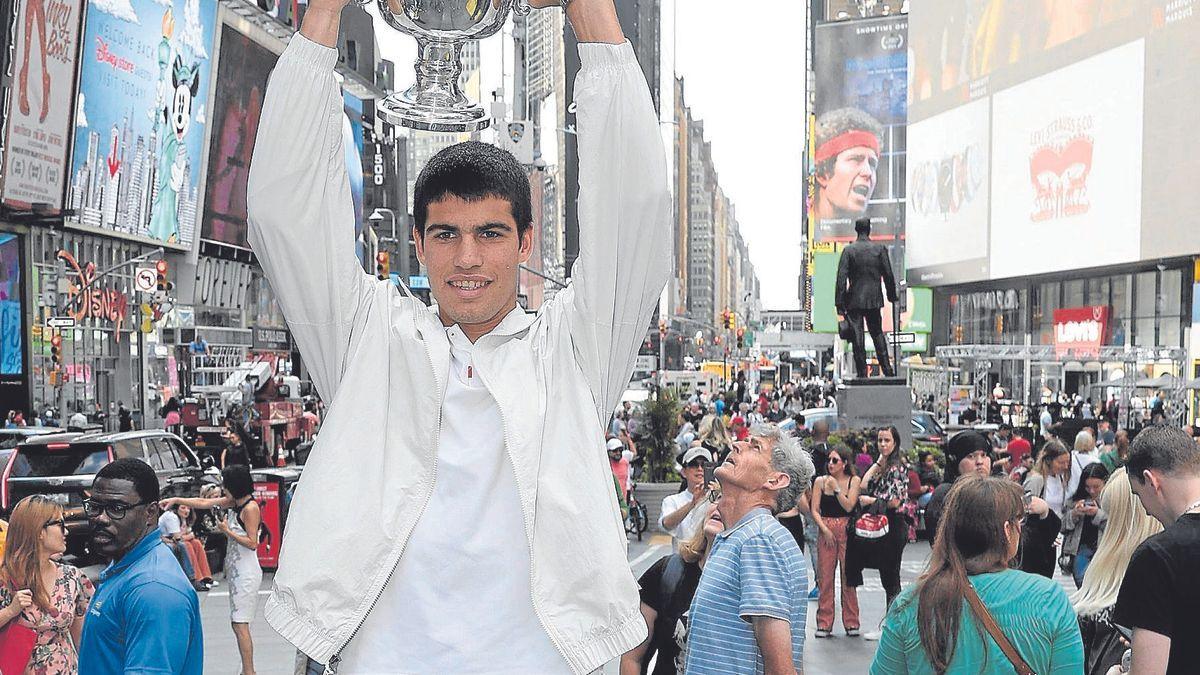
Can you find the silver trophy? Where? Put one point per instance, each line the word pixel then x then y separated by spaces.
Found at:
pixel 441 27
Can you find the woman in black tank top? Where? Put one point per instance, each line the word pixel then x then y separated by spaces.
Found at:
pixel 833 499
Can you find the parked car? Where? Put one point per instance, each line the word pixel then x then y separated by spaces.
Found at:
pixel 925 427
pixel 64 465
pixel 12 437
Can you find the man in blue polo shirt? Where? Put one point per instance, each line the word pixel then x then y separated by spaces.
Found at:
pixel 145 617
pixel 748 614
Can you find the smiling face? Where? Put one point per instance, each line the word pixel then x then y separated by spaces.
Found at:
pixel 850 184
pixel 473 250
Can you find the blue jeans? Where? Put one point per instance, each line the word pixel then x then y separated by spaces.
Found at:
pixel 181 554
pixel 1083 558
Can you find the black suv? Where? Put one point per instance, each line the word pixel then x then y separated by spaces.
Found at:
pixel 64 465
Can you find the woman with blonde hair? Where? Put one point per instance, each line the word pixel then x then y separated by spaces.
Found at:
pixel 39 593
pixel 1128 526
pixel 667 589
pixel 714 436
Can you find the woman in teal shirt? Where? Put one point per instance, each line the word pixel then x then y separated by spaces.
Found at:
pixel 931 628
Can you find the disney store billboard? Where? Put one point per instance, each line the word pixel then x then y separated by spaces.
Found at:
pixel 140 117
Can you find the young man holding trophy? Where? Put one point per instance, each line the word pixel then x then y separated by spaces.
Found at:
pixel 457 513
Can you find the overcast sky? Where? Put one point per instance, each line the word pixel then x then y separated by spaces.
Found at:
pixel 745 79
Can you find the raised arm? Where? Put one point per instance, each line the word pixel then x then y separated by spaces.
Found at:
pixel 624 206
pixel 301 215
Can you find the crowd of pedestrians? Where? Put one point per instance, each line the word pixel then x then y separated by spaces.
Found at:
pixel 143 616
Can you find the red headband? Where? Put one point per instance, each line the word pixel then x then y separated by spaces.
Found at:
pixel 851 139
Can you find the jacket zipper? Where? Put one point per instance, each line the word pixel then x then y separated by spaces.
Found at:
pixel 336 659
pixel 528 530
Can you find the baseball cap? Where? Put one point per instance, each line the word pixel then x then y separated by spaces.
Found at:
pixel 615 444
pixel 699 452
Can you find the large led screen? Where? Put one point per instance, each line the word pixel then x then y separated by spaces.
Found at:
pixel 1046 137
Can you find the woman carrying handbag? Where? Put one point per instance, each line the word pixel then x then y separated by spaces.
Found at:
pixel 42 602
pixel 879 530
pixel 969 612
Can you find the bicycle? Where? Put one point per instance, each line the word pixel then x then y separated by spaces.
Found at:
pixel 638 519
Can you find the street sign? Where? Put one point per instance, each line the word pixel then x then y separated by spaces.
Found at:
pixel 902 338
pixel 144 278
pixel 60 322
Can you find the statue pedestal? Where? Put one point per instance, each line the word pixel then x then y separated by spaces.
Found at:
pixel 871 403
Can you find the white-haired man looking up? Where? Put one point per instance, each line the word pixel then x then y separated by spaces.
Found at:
pixel 749 611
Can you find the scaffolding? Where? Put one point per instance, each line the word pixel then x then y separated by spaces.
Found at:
pixel 983 357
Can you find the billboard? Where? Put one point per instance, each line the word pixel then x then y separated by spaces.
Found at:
pixel 140 117
pixel 859 142
pixel 243 68
pixel 1050 128
pixel 37 124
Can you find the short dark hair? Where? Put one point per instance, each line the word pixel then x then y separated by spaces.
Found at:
pixel 473 171
pixel 1165 448
pixel 136 471
pixel 862 225
pixel 237 481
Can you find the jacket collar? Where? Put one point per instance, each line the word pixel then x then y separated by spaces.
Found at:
pixel 516 321
pixel 141 550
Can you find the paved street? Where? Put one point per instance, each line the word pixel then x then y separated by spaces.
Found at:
pixel 838 654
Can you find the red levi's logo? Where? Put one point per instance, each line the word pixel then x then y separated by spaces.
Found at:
pixel 1060 163
pixel 1080 331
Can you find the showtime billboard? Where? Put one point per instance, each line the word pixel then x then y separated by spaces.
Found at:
pixel 1080 331
pixel 1047 137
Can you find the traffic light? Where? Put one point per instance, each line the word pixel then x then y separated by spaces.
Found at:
pixel 56 350
pixel 741 342
pixel 662 328
pixel 958 334
pixel 160 269
pixel 732 320
pixel 382 266
pixel 724 318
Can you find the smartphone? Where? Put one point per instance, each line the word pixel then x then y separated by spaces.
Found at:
pixel 1089 503
pixel 708 474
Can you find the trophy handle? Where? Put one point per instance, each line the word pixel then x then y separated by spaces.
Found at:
pixel 520 8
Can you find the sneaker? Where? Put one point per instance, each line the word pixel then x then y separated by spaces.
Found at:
pixel 822 633
pixel 814 593
pixel 872 635
pixel 852 632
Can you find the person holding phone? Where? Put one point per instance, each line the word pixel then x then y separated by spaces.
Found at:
pixel 1084 521
pixel 683 512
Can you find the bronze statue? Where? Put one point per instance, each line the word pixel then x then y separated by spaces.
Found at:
pixel 858 296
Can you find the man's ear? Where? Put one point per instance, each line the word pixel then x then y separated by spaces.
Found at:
pixel 419 241
pixel 525 242
pixel 778 481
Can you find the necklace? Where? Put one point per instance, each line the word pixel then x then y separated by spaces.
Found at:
pixel 1195 505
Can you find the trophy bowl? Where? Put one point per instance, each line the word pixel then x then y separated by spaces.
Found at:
pixel 441 28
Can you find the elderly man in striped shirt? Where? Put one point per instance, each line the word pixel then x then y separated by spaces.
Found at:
pixel 749 610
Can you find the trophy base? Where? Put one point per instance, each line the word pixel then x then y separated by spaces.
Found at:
pixel 398 109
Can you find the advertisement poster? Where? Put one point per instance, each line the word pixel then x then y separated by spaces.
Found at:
pixel 244 66
pixel 946 217
pixel 11 332
pixel 140 117
pixel 861 108
pixel 1070 167
pixel 270 535
pixel 352 144
pixel 38 121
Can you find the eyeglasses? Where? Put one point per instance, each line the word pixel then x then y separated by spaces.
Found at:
pixel 61 522
pixel 834 460
pixel 115 510
pixel 696 464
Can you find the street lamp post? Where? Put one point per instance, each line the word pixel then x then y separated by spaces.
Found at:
pixel 376 218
